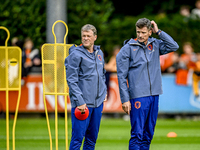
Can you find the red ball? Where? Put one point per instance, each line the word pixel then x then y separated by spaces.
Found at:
pixel 83 115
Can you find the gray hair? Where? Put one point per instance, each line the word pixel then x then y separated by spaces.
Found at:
pixel 88 27
pixel 143 22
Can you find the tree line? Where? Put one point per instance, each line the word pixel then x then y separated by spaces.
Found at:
pixel 27 18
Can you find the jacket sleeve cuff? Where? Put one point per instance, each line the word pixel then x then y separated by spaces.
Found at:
pixel 80 101
pixel 124 100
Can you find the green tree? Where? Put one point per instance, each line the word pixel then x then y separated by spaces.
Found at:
pixel 88 12
pixel 27 18
pixel 24 18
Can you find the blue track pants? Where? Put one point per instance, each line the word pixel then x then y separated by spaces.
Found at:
pixel 143 116
pixel 88 128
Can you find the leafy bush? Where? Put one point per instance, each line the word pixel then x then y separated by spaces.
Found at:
pixel 24 18
pixel 27 18
pixel 180 28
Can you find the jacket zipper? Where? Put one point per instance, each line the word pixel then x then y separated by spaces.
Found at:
pixel 148 70
pixel 98 76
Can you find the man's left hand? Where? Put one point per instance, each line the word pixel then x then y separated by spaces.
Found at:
pixel 126 106
pixel 155 27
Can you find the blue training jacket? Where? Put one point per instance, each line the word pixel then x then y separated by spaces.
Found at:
pixel 86 76
pixel 141 65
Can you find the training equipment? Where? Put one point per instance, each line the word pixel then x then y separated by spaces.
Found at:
pixel 54 79
pixel 10 79
pixel 81 115
pixel 171 135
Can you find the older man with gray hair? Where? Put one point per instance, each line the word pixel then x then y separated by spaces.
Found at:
pixel 87 89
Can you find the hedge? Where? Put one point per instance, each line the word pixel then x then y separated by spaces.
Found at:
pixel 27 18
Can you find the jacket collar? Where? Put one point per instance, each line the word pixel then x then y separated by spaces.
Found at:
pixel 135 42
pixel 84 50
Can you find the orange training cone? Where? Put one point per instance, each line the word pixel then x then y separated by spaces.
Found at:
pixel 171 135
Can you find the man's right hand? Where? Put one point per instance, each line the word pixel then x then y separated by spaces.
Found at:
pixel 82 107
pixel 126 107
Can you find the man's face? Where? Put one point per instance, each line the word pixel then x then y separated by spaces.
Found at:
pixel 88 38
pixel 143 34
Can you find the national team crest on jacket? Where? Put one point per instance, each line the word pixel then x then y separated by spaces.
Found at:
pixel 137 104
pixel 99 57
pixel 150 47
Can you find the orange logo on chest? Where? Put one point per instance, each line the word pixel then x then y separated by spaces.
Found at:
pixel 150 47
pixel 99 57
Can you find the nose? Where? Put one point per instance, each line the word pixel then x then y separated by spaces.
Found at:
pixel 85 38
pixel 139 34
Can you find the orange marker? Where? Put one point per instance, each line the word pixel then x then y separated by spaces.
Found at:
pixel 171 135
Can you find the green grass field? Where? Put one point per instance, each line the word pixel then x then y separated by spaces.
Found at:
pixel 32 134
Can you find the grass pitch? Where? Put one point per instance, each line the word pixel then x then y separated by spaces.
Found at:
pixel 32 134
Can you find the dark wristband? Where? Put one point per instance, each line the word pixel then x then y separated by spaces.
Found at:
pixel 158 32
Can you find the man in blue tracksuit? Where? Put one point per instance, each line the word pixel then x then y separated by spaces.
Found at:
pixel 138 61
pixel 86 80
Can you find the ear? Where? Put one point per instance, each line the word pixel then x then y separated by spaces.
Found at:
pixel 95 37
pixel 150 32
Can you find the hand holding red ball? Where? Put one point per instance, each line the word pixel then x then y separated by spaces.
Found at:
pixel 81 115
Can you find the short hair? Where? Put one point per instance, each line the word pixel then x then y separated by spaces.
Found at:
pixel 14 40
pixel 88 27
pixel 185 7
pixel 188 43
pixel 116 47
pixel 143 22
